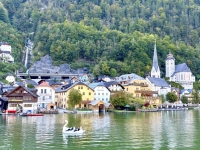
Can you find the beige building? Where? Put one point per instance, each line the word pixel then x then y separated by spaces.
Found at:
pixel 139 87
pixel 63 91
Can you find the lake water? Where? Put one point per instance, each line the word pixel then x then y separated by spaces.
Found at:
pixel 114 131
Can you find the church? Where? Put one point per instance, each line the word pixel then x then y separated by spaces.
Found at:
pixel 180 73
pixel 157 83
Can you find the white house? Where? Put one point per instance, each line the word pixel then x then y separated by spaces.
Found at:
pixel 10 78
pixel 46 95
pixel 180 73
pixel 5 47
pixel 5 52
pixel 101 92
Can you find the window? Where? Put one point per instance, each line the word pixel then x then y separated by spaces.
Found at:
pixel 13 105
pixel 102 93
pixel 94 93
pixel 81 87
pixel 83 93
pixel 126 89
pixel 41 90
pixel 89 93
pixel 43 97
pixel 49 97
pixel 27 105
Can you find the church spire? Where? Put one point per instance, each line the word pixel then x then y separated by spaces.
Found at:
pixel 155 71
pixel 155 58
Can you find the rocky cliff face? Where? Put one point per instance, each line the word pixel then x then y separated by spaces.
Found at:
pixel 45 65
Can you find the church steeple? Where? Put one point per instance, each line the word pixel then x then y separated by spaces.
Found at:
pixel 155 71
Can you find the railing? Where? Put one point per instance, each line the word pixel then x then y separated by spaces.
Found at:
pixel 146 91
pixel 139 84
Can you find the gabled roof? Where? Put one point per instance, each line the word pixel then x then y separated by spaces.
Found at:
pixel 158 82
pixel 94 102
pixel 131 76
pixel 26 89
pixel 31 82
pixel 53 82
pixel 44 84
pixel 64 88
pixel 108 84
pixel 182 68
pixel 19 83
pixel 186 90
pixel 93 85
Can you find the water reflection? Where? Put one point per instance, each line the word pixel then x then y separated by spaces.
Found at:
pixel 156 130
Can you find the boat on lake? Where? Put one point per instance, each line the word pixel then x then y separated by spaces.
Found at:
pixel 72 130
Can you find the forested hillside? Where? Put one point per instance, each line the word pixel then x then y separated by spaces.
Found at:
pixel 111 36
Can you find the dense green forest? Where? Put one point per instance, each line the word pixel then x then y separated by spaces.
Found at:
pixel 111 37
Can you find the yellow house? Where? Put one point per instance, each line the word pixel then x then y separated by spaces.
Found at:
pixel 63 91
pixel 141 88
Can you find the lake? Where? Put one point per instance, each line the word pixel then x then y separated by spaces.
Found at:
pixel 106 131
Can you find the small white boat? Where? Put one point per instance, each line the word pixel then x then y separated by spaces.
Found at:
pixel 72 131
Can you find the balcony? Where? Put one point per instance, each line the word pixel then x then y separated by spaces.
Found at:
pixel 139 84
pixel 146 92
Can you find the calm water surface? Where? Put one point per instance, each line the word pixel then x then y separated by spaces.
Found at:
pixel 114 131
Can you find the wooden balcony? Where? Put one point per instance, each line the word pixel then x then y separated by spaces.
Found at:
pixel 146 91
pixel 139 84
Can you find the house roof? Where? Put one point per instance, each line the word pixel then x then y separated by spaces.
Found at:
pixel 26 89
pixel 107 84
pixel 131 76
pixel 94 102
pixel 182 68
pixel 44 84
pixel 186 90
pixel 64 88
pixel 31 82
pixel 158 82
pixel 107 105
pixel 4 98
pixel 93 85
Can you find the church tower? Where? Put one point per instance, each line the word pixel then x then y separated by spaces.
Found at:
pixel 169 65
pixel 155 71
